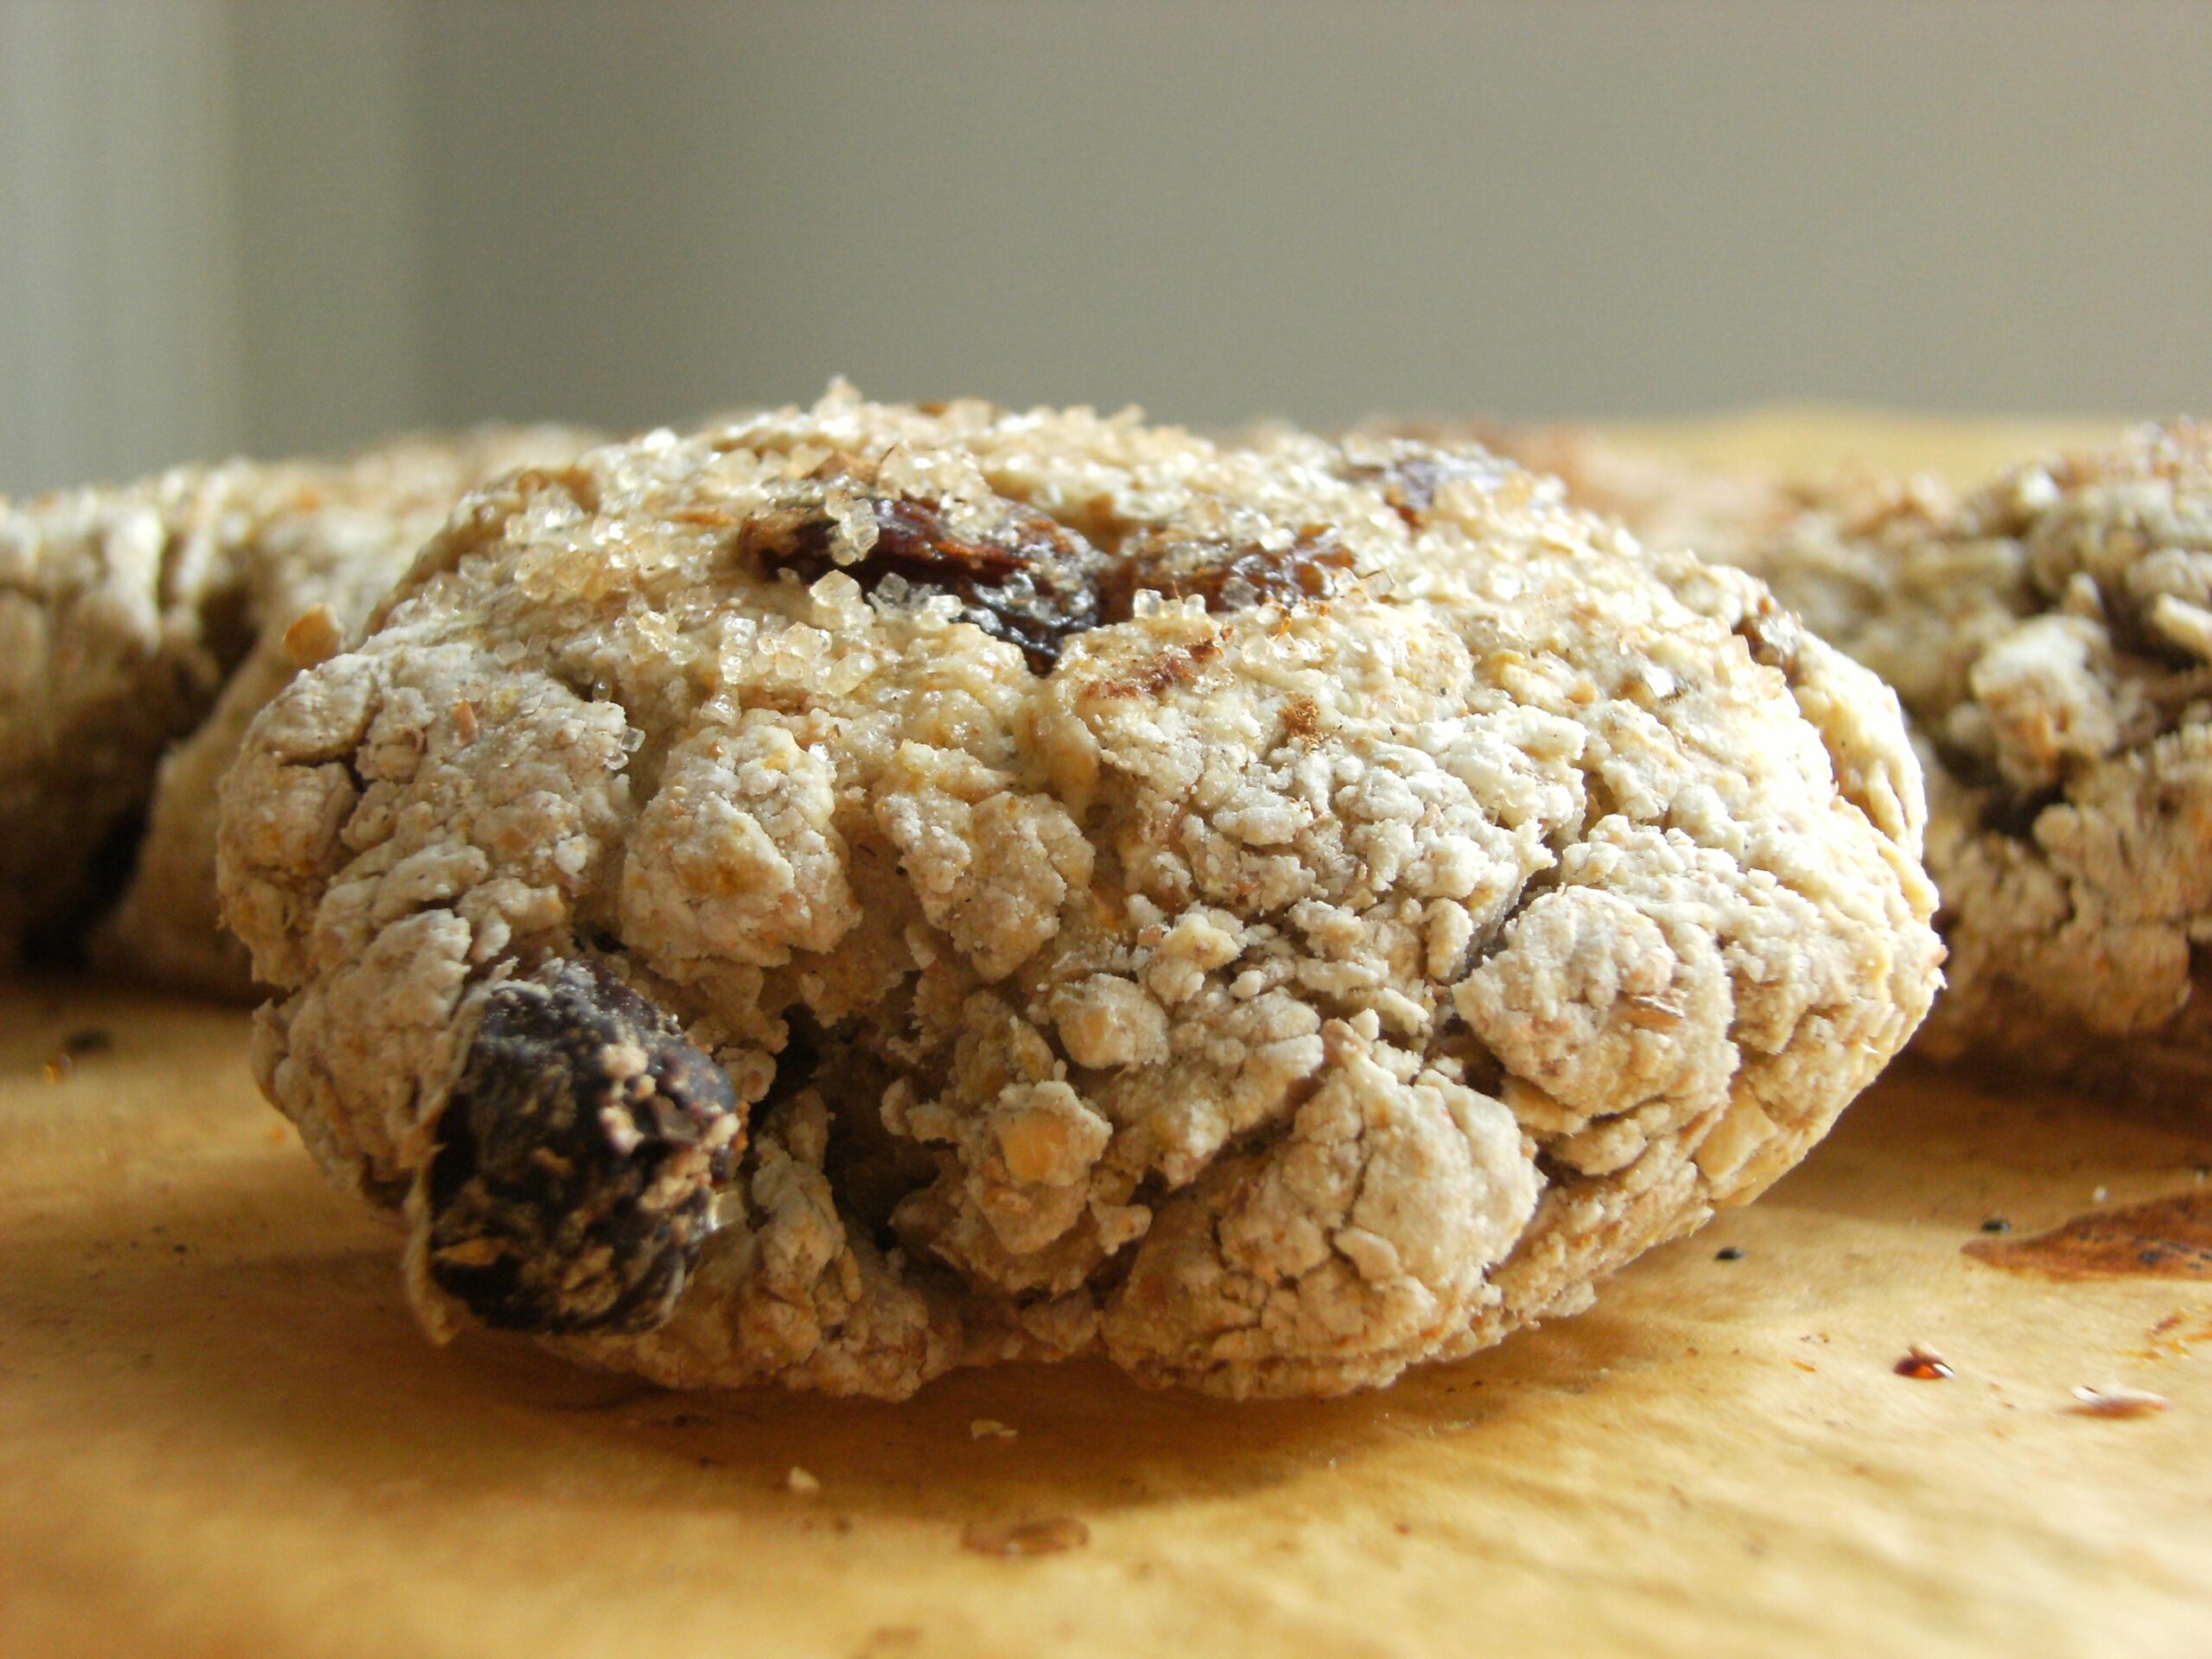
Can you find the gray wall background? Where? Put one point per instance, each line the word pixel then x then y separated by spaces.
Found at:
pixel 282 225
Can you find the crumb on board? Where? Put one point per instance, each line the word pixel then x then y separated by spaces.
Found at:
pixel 1046 1537
pixel 989 1428
pixel 800 1483
pixel 2114 1400
pixel 1923 1364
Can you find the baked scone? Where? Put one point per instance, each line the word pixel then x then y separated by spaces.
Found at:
pixel 875 889
pixel 2050 637
pixel 141 628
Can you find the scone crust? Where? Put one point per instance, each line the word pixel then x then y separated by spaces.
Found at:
pixel 1270 913
pixel 2053 636
pixel 2050 637
pixel 141 629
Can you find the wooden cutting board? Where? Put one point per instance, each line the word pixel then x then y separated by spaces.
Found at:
pixel 220 1433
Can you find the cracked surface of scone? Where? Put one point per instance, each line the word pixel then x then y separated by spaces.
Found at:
pixel 1271 915
pixel 2050 636
pixel 143 627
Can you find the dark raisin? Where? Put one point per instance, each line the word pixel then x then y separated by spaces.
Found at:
pixel 577 1155
pixel 1924 1365
pixel 1224 578
pixel 1036 584
pixel 1033 581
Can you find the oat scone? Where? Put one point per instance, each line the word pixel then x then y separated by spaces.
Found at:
pixel 141 628
pixel 2050 636
pixel 873 889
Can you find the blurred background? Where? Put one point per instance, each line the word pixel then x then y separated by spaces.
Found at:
pixel 288 225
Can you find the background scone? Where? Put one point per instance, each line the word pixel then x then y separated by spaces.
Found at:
pixel 165 612
pixel 2050 636
pixel 873 889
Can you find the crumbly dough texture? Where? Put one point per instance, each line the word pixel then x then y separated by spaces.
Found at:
pixel 2050 637
pixel 142 627
pixel 1271 913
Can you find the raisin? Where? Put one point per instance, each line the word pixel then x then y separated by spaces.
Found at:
pixel 572 1186
pixel 1033 583
pixel 1411 483
pixel 1225 578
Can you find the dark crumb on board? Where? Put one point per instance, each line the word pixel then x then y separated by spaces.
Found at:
pixel 1923 1364
pixel 2114 1400
pixel 1729 1253
pixel 1046 1537
pixel 1996 1224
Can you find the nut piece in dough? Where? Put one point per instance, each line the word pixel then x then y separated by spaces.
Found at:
pixel 1271 914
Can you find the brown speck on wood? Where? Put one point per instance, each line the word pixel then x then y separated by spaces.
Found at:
pixel 2114 1401
pixel 1048 1537
pixel 2163 1238
pixel 1923 1364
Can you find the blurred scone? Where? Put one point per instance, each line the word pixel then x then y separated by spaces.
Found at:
pixel 141 627
pixel 2050 637
pixel 871 889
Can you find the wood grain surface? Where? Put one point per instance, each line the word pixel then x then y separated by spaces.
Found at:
pixel 221 1434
